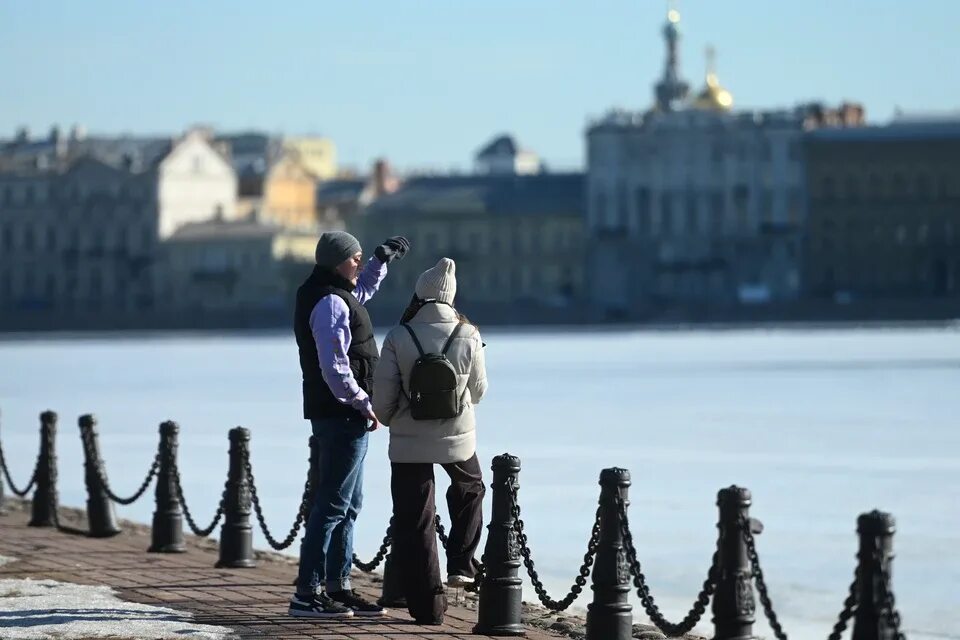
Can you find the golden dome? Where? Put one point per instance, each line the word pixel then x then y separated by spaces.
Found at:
pixel 713 96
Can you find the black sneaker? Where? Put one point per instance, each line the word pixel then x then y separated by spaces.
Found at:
pixel 319 606
pixel 358 605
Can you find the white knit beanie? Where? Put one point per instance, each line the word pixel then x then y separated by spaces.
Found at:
pixel 439 282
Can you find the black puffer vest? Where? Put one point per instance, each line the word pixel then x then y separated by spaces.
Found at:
pixel 318 400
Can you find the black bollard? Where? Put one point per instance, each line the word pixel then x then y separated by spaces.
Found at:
pixel 45 498
pixel 392 594
pixel 734 607
pixel 873 615
pixel 610 616
pixel 167 533
pixel 236 534
pixel 101 518
pixel 501 591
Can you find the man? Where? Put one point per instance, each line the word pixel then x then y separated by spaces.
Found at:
pixel 337 356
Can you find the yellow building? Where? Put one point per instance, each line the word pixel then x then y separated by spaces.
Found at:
pixel 283 193
pixel 289 193
pixel 318 155
pixel 517 241
pixel 235 265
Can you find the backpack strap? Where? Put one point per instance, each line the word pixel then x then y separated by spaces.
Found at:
pixel 453 335
pixel 414 336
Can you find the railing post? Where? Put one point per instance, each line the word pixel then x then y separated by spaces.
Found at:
pixel 392 594
pixel 45 498
pixel 101 517
pixel 610 616
pixel 166 536
pixel 871 621
pixel 734 606
pixel 501 591
pixel 236 534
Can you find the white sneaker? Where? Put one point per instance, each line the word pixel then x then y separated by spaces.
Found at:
pixel 456 581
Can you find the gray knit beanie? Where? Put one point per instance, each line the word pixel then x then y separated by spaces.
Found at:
pixel 439 282
pixel 334 247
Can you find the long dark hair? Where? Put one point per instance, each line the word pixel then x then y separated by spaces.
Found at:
pixel 417 303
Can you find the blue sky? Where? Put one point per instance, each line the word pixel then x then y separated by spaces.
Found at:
pixel 426 82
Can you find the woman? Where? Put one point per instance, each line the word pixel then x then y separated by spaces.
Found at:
pixel 431 326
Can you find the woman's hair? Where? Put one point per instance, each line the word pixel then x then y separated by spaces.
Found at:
pixel 417 303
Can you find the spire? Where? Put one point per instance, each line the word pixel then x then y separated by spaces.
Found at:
pixel 671 90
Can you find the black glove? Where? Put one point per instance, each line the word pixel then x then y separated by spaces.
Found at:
pixel 392 248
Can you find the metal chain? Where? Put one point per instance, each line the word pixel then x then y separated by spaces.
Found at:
pixel 579 582
pixel 761 583
pixel 367 567
pixel 298 521
pixel 204 532
pixel 102 477
pixel 13 487
pixel 849 608
pixel 441 532
pixel 888 602
pixel 640 582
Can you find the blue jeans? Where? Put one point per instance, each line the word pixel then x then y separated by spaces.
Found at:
pixel 326 554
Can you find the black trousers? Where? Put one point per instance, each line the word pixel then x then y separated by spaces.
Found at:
pixel 414 533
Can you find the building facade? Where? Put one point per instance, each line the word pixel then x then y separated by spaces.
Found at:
pixel 884 217
pixel 693 204
pixel 84 238
pixel 235 266
pixel 317 154
pixel 517 241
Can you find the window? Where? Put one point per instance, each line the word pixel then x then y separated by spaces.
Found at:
pixel 901 234
pixel 623 212
pixel 600 209
pixel 28 239
pixel 693 227
pixel 7 241
pixel 741 197
pixel 666 214
pixel 716 212
pixel 643 211
pixel 51 237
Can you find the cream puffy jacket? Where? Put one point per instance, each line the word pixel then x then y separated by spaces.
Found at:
pixel 436 441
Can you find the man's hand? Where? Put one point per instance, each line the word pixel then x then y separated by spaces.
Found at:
pixel 392 249
pixel 374 421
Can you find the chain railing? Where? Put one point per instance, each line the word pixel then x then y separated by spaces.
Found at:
pixel 872 578
pixel 202 532
pixel 643 590
pixel 849 608
pixel 302 512
pixel 579 582
pixel 102 476
pixel 757 571
pixel 368 567
pixel 887 600
pixel 20 493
